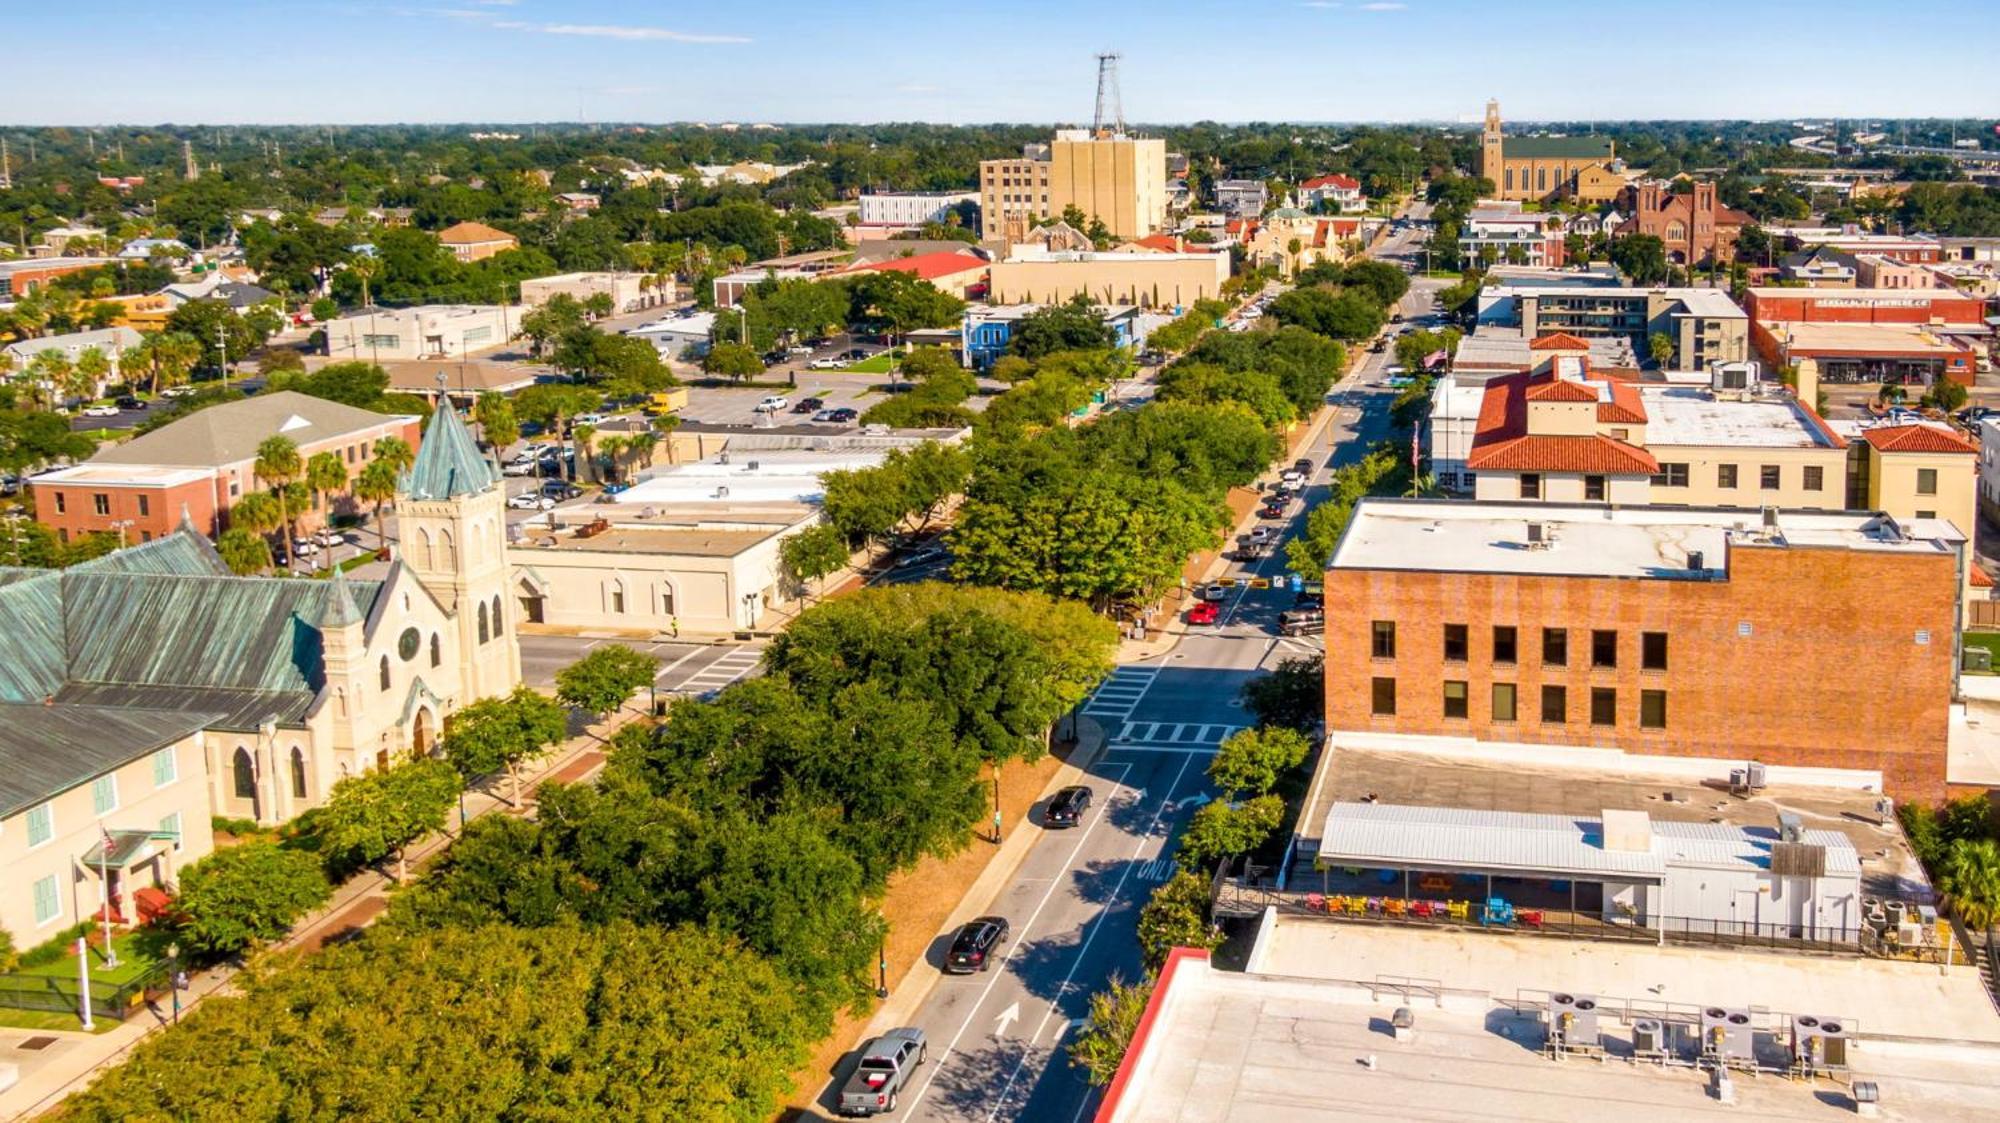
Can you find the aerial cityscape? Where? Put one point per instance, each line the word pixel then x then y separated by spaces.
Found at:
pixel 566 560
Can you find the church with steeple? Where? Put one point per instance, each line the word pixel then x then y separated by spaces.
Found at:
pixel 294 683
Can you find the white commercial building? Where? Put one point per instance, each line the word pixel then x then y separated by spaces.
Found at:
pixel 913 208
pixel 629 292
pixel 433 331
pixel 675 336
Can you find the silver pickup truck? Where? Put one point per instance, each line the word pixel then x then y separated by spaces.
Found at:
pixel 885 1065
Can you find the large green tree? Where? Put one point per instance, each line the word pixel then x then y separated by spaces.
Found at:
pixel 601 681
pixel 498 734
pixel 376 815
pixel 245 895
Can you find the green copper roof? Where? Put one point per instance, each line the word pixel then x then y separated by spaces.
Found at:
pixel 340 610
pixel 448 462
pixel 46 750
pixel 1556 148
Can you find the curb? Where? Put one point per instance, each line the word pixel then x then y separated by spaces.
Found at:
pixel 923 977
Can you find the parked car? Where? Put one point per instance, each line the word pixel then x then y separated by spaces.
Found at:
pixel 1275 509
pixel 773 403
pixel 131 402
pixel 531 501
pixel 177 392
pixel 809 405
pixel 1206 612
pixel 1262 534
pixel 1214 592
pixel 974 946
pixel 1067 806
pixel 560 489
pixel 329 538
pixel 617 488
pixel 591 419
pixel 839 415
pixel 798 349
pixel 830 362
pixel 882 1071
pixel 100 411
pixel 924 556
pixel 1303 465
pixel 304 548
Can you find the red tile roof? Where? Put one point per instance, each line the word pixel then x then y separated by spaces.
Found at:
pixel 1345 183
pixel 1625 406
pixel 1162 242
pixel 1501 442
pixel 1980 579
pixel 1560 390
pixel 930 266
pixel 1558 341
pixel 1916 438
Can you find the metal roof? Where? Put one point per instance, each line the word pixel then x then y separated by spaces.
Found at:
pixel 230 433
pixel 48 749
pixel 448 461
pixel 1376 834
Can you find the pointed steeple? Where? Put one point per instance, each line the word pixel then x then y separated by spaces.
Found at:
pixel 448 462
pixel 187 521
pixel 340 610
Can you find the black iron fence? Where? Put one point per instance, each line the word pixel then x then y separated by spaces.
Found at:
pixel 62 994
pixel 1237 898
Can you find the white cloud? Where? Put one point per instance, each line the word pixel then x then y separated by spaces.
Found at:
pixel 616 31
pixel 1383 7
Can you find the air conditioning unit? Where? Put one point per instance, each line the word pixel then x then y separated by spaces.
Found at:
pixel 1726 1035
pixel 1791 828
pixel 1649 1037
pixel 1819 1044
pixel 1755 775
pixel 1572 1021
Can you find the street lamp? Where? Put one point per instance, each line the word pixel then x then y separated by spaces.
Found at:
pixel 174 979
pixel 882 969
pixel 120 526
pixel 996 805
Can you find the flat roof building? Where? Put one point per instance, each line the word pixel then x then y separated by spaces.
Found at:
pixel 1704 325
pixel 1147 279
pixel 431 331
pixel 1652 630
pixel 629 292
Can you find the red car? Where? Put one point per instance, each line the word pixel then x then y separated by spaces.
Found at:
pixel 1207 612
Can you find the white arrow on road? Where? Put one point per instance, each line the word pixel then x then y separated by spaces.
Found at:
pixel 1007 1017
pixel 1196 800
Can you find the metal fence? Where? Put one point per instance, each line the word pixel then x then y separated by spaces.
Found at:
pixel 60 993
pixel 1236 898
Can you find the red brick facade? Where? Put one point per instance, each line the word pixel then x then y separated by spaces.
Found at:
pixel 1694 228
pixel 74 509
pixel 1863 306
pixel 1790 660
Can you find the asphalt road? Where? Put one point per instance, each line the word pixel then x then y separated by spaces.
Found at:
pixel 996 1038
pixel 685 668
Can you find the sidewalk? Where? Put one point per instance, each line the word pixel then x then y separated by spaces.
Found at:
pixel 48 1075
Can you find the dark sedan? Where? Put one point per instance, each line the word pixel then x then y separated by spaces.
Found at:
pixel 1066 808
pixel 975 945
pixel 809 405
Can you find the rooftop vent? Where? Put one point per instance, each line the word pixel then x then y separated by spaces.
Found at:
pixel 1791 828
pixel 1695 560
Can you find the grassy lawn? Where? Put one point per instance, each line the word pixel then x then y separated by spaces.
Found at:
pixel 51 1019
pixel 1988 640
pixel 873 364
pixel 136 954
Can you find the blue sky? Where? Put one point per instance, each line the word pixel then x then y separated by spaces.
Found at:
pixel 287 61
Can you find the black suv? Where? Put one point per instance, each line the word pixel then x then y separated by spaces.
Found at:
pixel 1067 806
pixel 809 405
pixel 974 946
pixel 129 402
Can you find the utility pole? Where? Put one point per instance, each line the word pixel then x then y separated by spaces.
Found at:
pixel 222 352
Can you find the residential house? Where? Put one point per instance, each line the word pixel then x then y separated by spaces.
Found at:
pixel 1338 192
pixel 476 241
pixel 1242 198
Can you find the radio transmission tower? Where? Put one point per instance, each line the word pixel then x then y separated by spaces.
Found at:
pixel 1110 118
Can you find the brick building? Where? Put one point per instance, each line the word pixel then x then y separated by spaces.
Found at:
pixel 1695 228
pixel 1907 336
pixel 1680 632
pixel 1548 167
pixel 204 463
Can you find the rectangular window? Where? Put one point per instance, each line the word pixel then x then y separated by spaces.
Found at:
pixel 165 768
pixel 1815 478
pixel 1927 481
pixel 1383 691
pixel 1603 706
pixel 1455 643
pixel 1593 489
pixel 1503 701
pixel 61 506
pixel 104 795
pixel 1603 648
pixel 1671 475
pixel 1555 705
pixel 100 503
pixel 1653 650
pixel 48 901
pixel 1770 477
pixel 1555 647
pixel 1725 475
pixel 1383 639
pixel 1504 644
pixel 1454 698
pixel 41 825
pixel 1531 485
pixel 145 508
pixel 172 825
pixel 1652 709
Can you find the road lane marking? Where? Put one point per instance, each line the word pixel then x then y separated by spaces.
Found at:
pixel 669 668
pixel 1083 950
pixel 1015 945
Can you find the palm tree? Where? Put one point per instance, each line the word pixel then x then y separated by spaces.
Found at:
pixel 376 486
pixel 92 366
pixel 584 438
pixel 48 374
pixel 326 474
pixel 364 267
pixel 397 452
pixel 278 465
pixel 174 355
pixel 1971 878
pixel 257 513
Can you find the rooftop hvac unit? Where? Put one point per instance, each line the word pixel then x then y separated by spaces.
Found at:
pixel 1572 1021
pixel 1791 828
pixel 1649 1038
pixel 751 467
pixel 1726 1034
pixel 1755 775
pixel 722 492
pixel 1819 1044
